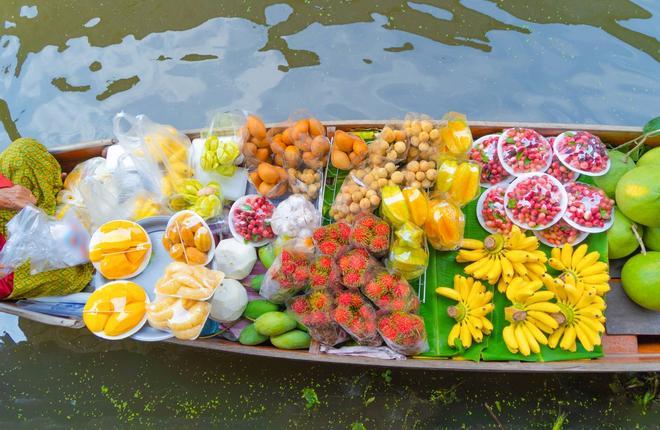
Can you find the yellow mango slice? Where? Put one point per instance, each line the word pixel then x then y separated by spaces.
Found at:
pixel 116 266
pixel 95 255
pixel 115 225
pixel 136 257
pixel 418 205
pixel 96 322
pixel 115 240
pixel 121 322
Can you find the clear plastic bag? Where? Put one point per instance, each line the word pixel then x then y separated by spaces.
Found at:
pixel 269 180
pixel 523 150
pixel 403 332
pixel 257 142
pixel 325 274
pixel 588 209
pixel 188 239
pixel 390 146
pixel 289 274
pixel 349 150
pixel 535 201
pixel 582 152
pixel 424 135
pixel 223 144
pixel 185 318
pixel 332 239
pixel 295 217
pixel 360 192
pixel 358 317
pixel 355 265
pixel 458 179
pixel 300 142
pixel 456 134
pixel 46 242
pixel 314 311
pixel 390 292
pixel 484 152
pixel 188 282
pixel 445 225
pixel 408 254
pixel 70 198
pixel 159 152
pixel 371 233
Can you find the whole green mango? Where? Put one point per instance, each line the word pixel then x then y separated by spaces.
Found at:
pixel 250 336
pixel 295 339
pixel 274 323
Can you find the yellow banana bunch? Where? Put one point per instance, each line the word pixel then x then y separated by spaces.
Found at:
pixel 580 317
pixel 497 259
pixel 530 316
pixel 579 267
pixel 474 303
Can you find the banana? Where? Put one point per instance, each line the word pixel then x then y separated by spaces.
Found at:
pixel 568 340
pixel 544 318
pixel 507 269
pixel 510 339
pixel 531 340
pixel 579 254
pixel 587 261
pixel 594 269
pixel 566 255
pixel 472 244
pixel 523 346
pixel 543 307
pixel 473 304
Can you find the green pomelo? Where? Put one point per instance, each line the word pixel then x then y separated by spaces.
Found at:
pixel 621 240
pixel 640 277
pixel 650 158
pixel 652 238
pixel 638 195
pixel 619 165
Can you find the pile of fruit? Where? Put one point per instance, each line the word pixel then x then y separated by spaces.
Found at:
pixel 407 194
pixel 115 310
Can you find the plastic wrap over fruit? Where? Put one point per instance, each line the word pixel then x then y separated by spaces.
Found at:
pixel 408 254
pixel 371 233
pixel 458 179
pixel 223 143
pixel 115 309
pixel 359 193
pixel 332 239
pixel 315 311
pixel 484 153
pixel 188 239
pixel 289 274
pixel 120 249
pixel 269 180
pixel 403 332
pixel 325 274
pixel 188 282
pixel 456 134
pixel 418 205
pixel 358 317
pixel 523 150
pixel 445 225
pixel 390 292
pixel 535 201
pixel 582 152
pixel 355 265
pixel 299 141
pixel 348 150
pixel 185 318
pixel 394 208
pixel 205 200
pixel 295 217
pixel 589 209
pixel 391 145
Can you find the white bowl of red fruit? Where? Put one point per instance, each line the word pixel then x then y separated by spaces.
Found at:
pixel 249 220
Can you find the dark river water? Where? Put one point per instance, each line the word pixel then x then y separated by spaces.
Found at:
pixel 66 67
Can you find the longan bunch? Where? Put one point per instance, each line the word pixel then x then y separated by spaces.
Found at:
pixel 391 145
pixel 356 195
pixel 306 182
pixel 425 138
pixel 416 174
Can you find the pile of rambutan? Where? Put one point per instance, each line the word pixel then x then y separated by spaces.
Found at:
pixel 315 311
pixel 390 292
pixel 331 239
pixel 356 315
pixel 371 233
pixel 353 266
pixel 403 332
pixel 291 276
pixel 325 274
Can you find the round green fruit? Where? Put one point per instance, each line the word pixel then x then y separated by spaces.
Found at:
pixel 652 238
pixel 621 241
pixel 619 166
pixel 638 195
pixel 640 278
pixel 650 158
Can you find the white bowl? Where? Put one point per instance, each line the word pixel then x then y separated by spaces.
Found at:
pixel 96 238
pixel 563 202
pixel 232 228
pixel 132 331
pixel 209 254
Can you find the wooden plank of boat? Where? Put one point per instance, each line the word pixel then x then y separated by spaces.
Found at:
pixel 622 353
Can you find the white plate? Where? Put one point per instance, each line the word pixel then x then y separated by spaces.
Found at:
pixel 575 169
pixel 96 238
pixel 234 233
pixel 500 144
pixel 210 253
pixel 563 203
pixel 134 329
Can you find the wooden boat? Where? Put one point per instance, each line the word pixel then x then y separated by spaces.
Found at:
pixel 630 352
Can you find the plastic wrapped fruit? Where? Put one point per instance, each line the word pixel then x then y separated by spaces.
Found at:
pixel 523 150
pixel 491 212
pixel 391 145
pixel 371 233
pixel 390 292
pixel 302 142
pixel 314 311
pixel 249 220
pixel 120 249
pixel 560 234
pixel 424 135
pixel 445 225
pixel 358 193
pixel 394 208
pixel 418 174
pixel 188 282
pixel 458 179
pixel 256 146
pixel 582 152
pixel 589 208
pixel 269 180
pixel 356 315
pixel 188 239
pixel 557 170
pixel 418 205
pixel 205 201
pixel 184 317
pixel 348 150
pixel 306 182
pixel 535 201
pixel 456 134
pixel 484 153
pixel 403 332
pixel 116 310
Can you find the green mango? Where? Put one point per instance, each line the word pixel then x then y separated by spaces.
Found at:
pixel 250 336
pixel 294 339
pixel 256 281
pixel 274 323
pixel 256 308
pixel 302 327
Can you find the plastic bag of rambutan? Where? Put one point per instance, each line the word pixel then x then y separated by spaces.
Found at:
pixel 371 233
pixel 355 266
pixel 290 272
pixel 315 311
pixel 403 332
pixel 332 239
pixel 325 274
pixel 357 316
pixel 390 291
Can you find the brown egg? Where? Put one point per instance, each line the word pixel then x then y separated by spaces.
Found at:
pixel 291 156
pixel 340 160
pixel 256 127
pixel 255 178
pixel 263 154
pixel 320 146
pixel 316 128
pixel 268 173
